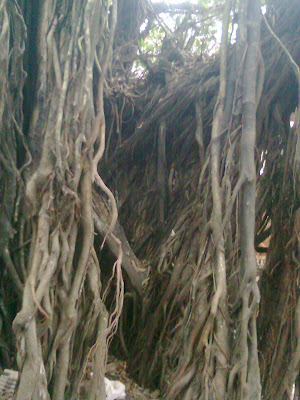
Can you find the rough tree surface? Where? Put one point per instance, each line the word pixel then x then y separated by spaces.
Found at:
pixel 142 169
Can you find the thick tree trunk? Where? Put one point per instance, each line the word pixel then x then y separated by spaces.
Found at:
pixel 249 375
pixel 66 137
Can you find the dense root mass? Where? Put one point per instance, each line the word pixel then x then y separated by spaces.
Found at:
pixel 134 204
pixel 63 321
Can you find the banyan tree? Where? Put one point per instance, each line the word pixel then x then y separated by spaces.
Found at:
pixel 145 164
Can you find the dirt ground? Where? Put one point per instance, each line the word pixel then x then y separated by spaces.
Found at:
pixel 116 371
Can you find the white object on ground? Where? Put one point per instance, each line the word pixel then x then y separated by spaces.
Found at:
pixel 115 390
pixel 8 382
